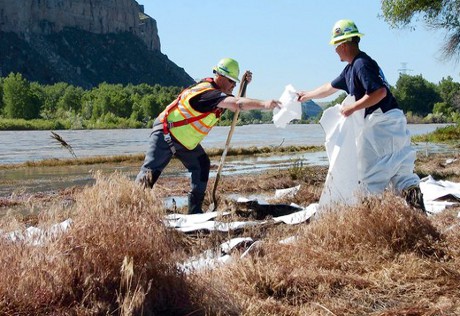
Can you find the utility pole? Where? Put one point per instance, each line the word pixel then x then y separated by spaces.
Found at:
pixel 404 70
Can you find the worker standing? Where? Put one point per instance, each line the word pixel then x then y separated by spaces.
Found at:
pixel 180 128
pixel 384 147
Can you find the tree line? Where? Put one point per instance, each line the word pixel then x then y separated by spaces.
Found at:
pixel 30 105
pixel 424 101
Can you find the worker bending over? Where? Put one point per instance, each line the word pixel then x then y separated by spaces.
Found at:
pixel 180 128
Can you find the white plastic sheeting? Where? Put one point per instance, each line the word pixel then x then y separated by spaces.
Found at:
pixel 218 226
pixel 298 217
pixel 341 184
pixel 434 190
pixel 292 219
pixel 366 155
pixel 386 155
pixel 290 108
pixel 183 220
pixel 37 236
pixel 286 193
pixel 212 258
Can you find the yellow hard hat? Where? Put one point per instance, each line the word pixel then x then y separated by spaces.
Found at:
pixel 342 30
pixel 228 68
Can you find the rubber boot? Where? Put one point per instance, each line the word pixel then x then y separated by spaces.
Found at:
pixel 194 203
pixel 414 198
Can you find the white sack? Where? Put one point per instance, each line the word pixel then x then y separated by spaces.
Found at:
pixel 342 133
pixel 290 108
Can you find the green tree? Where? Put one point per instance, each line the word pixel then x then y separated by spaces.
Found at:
pixel 19 99
pixel 337 100
pixel 52 95
pixel 245 117
pixel 437 14
pixel 71 99
pixel 149 107
pixel 109 98
pixel 415 94
pixel 449 90
pixel 442 108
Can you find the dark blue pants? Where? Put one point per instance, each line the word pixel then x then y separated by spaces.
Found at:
pixel 159 154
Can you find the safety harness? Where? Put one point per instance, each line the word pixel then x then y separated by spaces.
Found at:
pixel 168 125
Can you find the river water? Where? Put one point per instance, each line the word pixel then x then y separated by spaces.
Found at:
pixel 22 146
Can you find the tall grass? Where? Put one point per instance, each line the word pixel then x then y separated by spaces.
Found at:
pixel 78 273
pixel 381 258
pixel 37 124
pixel 57 124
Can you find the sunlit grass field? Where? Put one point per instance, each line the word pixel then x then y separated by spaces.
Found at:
pixel 118 257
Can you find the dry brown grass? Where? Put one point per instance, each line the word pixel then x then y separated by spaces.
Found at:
pixel 436 166
pixel 78 273
pixel 381 258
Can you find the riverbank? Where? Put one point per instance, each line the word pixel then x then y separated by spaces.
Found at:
pixel 340 264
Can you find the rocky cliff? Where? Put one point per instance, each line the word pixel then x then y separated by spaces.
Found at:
pixel 83 42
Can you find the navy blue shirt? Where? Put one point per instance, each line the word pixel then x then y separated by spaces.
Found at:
pixel 364 76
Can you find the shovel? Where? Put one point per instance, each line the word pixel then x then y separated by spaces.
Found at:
pixel 241 93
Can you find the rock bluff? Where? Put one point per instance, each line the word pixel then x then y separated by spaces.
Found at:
pixel 26 17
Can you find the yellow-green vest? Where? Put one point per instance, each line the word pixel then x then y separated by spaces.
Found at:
pixel 191 134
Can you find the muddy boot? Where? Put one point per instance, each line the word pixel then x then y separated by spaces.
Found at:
pixel 414 198
pixel 194 203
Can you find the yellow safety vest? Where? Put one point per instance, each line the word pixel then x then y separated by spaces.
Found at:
pixel 191 125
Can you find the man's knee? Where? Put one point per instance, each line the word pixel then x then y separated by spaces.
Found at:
pixel 205 166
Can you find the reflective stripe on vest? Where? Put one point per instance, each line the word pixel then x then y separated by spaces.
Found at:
pixel 190 135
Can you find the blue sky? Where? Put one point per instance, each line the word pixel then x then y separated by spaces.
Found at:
pixel 286 41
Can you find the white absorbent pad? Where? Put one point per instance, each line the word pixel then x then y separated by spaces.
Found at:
pixel 290 108
pixel 342 133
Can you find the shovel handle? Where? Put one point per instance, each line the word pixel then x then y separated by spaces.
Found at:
pixel 241 93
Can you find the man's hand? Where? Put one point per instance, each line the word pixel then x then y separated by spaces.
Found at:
pixel 248 76
pixel 348 110
pixel 301 96
pixel 271 104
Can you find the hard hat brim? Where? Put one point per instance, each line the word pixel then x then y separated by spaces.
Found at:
pixel 341 38
pixel 215 70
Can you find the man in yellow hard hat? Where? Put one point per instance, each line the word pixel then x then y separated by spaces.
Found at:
pixel 184 123
pixel 384 147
